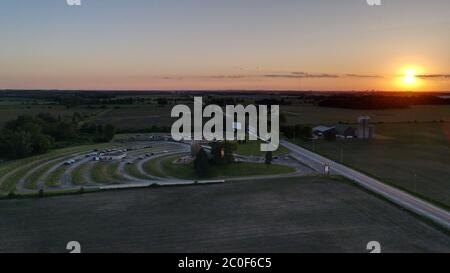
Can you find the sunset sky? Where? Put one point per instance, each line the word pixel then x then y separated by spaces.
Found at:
pixel 228 44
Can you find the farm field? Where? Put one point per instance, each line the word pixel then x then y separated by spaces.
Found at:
pixel 253 148
pixel 13 110
pixel 309 214
pixel 411 156
pixel 144 116
pixel 310 114
pixel 136 116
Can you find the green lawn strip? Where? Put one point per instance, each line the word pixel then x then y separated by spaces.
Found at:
pixel 103 172
pixel 13 165
pixel 253 148
pixel 78 173
pixel 113 170
pixel 151 168
pixel 32 181
pixel 241 169
pixel 132 170
pixel 99 174
pixel 9 184
pixel 53 180
pixel 22 166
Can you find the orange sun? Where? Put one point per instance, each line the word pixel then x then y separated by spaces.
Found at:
pixel 407 78
pixel 410 77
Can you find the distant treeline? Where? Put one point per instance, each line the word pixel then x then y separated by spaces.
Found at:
pixel 380 102
pixel 350 100
pixel 32 135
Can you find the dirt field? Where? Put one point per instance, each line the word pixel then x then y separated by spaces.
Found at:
pixel 294 215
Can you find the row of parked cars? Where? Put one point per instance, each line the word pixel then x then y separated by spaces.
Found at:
pixel 142 157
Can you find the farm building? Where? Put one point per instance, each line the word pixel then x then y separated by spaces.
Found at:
pixel 321 130
pixel 345 131
pixel 365 130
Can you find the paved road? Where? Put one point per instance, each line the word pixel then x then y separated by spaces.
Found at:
pixel 397 196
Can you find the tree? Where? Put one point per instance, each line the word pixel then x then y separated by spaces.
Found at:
pixel 201 163
pixel 108 132
pixel 41 143
pixel 162 101
pixel 65 131
pixel 17 144
pixel 222 152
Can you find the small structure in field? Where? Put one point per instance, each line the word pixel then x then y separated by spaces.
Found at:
pixel 345 131
pixel 321 130
pixel 365 130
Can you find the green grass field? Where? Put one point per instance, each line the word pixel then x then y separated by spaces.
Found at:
pixel 105 172
pixel 414 157
pixel 12 171
pixel 78 175
pixel 253 148
pixel 314 115
pixel 167 168
pixel 32 181
pixel 137 116
pixel 132 170
pixel 53 180
pixel 10 111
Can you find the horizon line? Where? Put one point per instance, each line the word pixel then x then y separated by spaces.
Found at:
pixel 220 90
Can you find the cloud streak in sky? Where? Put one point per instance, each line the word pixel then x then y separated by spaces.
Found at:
pixel 292 75
pixel 434 76
pixel 302 75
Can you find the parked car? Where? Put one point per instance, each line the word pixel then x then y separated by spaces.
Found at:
pixel 69 162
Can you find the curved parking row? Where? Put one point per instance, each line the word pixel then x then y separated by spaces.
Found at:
pixel 98 166
pixel 84 166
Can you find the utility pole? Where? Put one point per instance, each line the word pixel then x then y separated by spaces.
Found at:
pixel 342 155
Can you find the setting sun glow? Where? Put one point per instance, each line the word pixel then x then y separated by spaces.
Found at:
pixel 410 77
